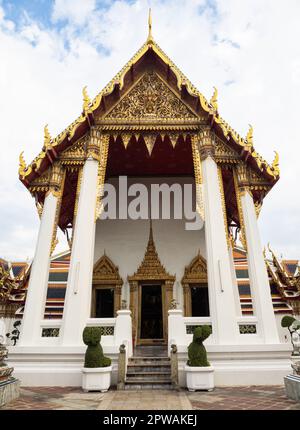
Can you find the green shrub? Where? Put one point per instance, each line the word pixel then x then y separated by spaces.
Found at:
pixel 94 354
pixel 197 355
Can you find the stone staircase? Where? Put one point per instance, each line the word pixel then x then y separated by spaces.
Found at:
pixel 148 373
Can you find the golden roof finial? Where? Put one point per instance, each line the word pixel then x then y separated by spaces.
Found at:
pixel 22 164
pixel 275 164
pixel 150 37
pixel 214 99
pixel 249 136
pixel 86 100
pixel 47 138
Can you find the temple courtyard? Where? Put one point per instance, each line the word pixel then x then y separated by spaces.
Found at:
pixel 225 398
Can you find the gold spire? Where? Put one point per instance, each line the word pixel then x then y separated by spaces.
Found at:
pixel 150 37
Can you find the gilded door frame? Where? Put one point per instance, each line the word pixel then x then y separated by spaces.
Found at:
pixel 135 307
pixel 194 273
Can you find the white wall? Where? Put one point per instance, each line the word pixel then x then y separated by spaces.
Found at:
pixel 125 241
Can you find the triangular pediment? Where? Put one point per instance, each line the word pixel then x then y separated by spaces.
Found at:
pixel 150 98
pixel 106 271
pixel 224 152
pixel 196 271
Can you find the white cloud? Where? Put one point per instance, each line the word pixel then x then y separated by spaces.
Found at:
pixel 253 45
pixel 74 11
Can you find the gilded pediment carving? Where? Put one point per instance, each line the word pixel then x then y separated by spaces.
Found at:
pixel 223 153
pixel 105 271
pixel 41 183
pixel 196 271
pixel 74 154
pixel 150 99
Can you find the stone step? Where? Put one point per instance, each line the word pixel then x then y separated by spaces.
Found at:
pixel 149 372
pixel 146 376
pixel 146 358
pixel 149 387
pixel 148 366
pixel 148 381
pixel 149 363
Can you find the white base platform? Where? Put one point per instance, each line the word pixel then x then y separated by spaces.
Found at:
pixel 235 365
pixel 238 365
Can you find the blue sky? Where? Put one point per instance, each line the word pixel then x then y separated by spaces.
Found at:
pixel 50 50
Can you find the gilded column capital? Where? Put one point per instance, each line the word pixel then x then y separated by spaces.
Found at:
pixel 242 176
pixel 56 179
pixel 93 144
pixel 206 143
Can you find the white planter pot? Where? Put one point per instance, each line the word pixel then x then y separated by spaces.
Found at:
pixel 199 378
pixel 96 378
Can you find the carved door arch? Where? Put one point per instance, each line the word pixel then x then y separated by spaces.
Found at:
pixel 106 275
pixel 194 274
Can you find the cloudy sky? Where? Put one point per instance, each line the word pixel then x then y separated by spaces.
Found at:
pixel 248 49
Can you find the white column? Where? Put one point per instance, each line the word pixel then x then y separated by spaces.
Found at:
pixel 77 305
pixel 123 330
pixel 39 275
pixel 220 286
pixel 176 329
pixel 259 280
pixel 235 283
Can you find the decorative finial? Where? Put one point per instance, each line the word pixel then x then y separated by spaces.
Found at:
pixel 150 38
pixel 47 138
pixel 265 252
pixel 214 99
pixel 275 164
pixel 86 100
pixel 22 164
pixel 249 136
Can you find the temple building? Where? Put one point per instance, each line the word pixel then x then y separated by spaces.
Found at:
pixel 150 280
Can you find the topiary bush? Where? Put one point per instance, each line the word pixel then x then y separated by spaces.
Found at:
pixel 94 354
pixel 287 321
pixel 197 356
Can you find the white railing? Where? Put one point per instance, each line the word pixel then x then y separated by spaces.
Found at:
pixel 114 331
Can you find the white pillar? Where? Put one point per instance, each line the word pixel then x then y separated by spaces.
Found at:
pixel 39 276
pixel 220 285
pixel 235 283
pixel 259 280
pixel 123 329
pixel 77 305
pixel 176 329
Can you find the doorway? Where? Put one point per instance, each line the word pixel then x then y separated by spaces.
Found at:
pixel 151 330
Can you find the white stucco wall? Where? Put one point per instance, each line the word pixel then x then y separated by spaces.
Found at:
pixel 125 241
